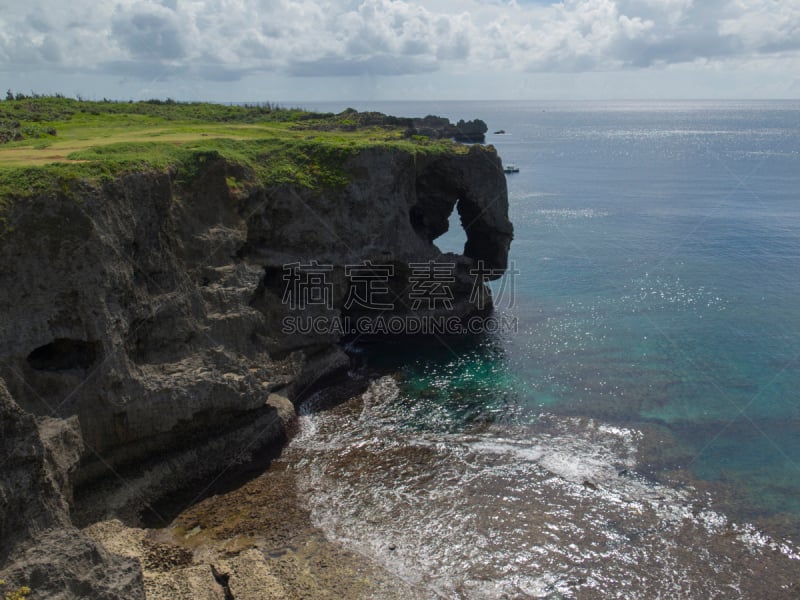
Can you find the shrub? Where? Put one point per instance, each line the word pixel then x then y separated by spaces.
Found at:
pixel 21 594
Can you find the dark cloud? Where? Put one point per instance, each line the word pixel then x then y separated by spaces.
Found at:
pixel 38 23
pixel 338 66
pixel 457 49
pixel 687 47
pixel 50 51
pixel 787 44
pixel 416 47
pixel 149 35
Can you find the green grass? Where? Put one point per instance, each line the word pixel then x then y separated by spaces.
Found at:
pixel 68 144
pixel 102 139
pixel 60 109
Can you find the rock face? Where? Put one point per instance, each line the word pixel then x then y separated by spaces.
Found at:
pixel 482 203
pixel 439 127
pixel 141 328
pixel 40 547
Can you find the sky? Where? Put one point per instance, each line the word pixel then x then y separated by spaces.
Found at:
pixel 285 50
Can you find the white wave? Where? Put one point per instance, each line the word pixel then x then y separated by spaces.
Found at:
pixel 554 510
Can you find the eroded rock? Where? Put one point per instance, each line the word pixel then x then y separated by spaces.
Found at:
pixel 40 547
pixel 141 335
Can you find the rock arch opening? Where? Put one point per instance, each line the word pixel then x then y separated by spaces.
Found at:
pixel 473 194
pixel 455 238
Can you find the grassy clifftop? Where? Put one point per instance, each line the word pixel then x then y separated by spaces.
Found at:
pixel 48 142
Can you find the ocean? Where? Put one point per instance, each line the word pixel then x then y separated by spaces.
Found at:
pixel 638 435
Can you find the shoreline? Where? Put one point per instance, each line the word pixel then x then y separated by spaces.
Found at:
pixel 142 345
pixel 249 535
pixel 259 539
pixel 232 546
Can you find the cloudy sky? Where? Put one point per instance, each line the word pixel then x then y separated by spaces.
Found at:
pixel 281 50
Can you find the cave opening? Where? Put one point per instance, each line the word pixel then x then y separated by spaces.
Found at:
pixel 64 354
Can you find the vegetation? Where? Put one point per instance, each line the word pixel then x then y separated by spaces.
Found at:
pixel 21 594
pixel 53 143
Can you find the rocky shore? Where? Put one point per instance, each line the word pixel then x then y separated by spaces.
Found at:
pixel 142 350
pixel 231 546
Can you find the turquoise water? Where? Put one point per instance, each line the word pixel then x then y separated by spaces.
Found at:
pixel 659 255
pixel 671 236
pixel 658 250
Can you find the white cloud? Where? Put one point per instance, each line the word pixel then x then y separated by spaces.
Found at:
pixel 224 40
pixel 768 26
pixel 585 35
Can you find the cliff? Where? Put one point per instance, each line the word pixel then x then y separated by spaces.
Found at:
pixel 142 327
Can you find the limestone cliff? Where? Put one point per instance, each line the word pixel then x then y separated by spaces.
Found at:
pixel 141 339
pixel 40 547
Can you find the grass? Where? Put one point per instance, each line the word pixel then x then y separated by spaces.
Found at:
pixel 55 146
pixel 54 142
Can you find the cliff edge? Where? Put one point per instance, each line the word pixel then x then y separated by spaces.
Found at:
pixel 143 339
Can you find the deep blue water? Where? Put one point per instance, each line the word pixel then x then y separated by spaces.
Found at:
pixel 658 250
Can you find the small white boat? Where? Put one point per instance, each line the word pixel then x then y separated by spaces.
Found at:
pixel 511 168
